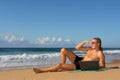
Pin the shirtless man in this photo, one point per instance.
(94, 52)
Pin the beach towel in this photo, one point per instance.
(102, 69)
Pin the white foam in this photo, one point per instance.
(27, 56)
(112, 51)
(22, 60)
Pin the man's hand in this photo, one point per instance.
(81, 47)
(87, 41)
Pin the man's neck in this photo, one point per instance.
(95, 50)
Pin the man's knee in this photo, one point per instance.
(60, 65)
(63, 50)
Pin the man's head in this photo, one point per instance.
(96, 43)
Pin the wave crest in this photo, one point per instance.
(112, 51)
(25, 56)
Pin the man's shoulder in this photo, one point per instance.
(100, 53)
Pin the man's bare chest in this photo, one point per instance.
(93, 56)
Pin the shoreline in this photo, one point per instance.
(114, 62)
(28, 74)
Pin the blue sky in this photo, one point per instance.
(58, 23)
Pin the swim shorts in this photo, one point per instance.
(76, 62)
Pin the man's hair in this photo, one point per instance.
(99, 41)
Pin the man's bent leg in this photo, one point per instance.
(67, 53)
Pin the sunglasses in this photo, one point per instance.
(94, 42)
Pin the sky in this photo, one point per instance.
(58, 23)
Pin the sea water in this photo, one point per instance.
(19, 58)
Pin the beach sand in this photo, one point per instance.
(28, 74)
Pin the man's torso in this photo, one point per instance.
(91, 56)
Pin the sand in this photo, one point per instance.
(28, 74)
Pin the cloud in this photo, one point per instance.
(43, 40)
(46, 40)
(53, 41)
(67, 40)
(59, 39)
(12, 40)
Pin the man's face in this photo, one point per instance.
(94, 44)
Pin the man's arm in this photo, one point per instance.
(102, 60)
(81, 47)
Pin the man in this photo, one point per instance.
(93, 52)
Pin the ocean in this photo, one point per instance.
(20, 58)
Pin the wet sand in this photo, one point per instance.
(28, 74)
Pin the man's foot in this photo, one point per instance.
(36, 70)
(59, 70)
